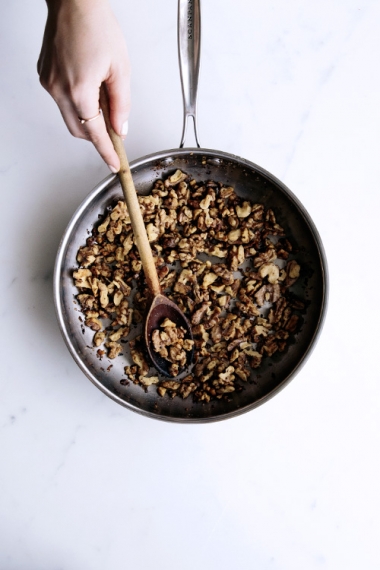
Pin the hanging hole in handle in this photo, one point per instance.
(185, 123)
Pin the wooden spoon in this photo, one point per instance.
(160, 307)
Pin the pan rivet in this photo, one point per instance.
(167, 161)
(217, 161)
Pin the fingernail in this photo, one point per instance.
(124, 129)
(112, 168)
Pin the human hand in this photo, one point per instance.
(83, 47)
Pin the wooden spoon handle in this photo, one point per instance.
(132, 202)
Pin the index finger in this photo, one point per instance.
(86, 108)
(95, 130)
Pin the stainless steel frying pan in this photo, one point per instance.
(252, 183)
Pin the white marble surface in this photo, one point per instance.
(294, 485)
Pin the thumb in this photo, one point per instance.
(119, 95)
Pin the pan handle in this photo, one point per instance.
(189, 51)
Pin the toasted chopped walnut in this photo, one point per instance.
(87, 301)
(267, 293)
(171, 384)
(265, 257)
(94, 324)
(139, 359)
(217, 250)
(149, 380)
(114, 349)
(177, 177)
(269, 270)
(244, 210)
(234, 235)
(256, 358)
(81, 278)
(188, 344)
(270, 346)
(103, 294)
(118, 297)
(292, 273)
(99, 338)
(292, 323)
(199, 313)
(102, 228)
(208, 279)
(153, 232)
(122, 332)
(87, 255)
(186, 389)
(224, 301)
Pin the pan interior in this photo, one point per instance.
(250, 182)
